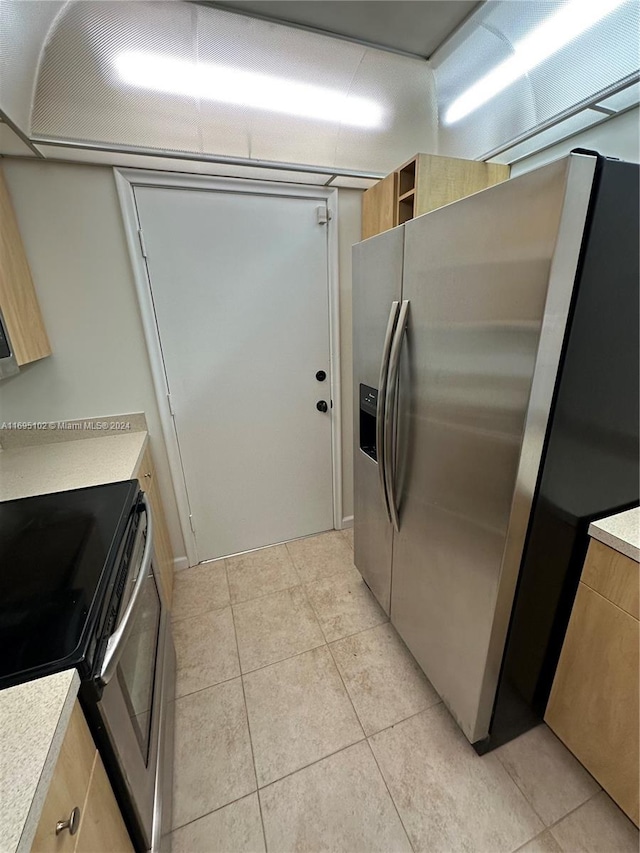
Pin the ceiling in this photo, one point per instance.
(411, 26)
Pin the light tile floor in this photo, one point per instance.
(304, 724)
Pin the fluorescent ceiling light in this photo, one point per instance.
(573, 19)
(225, 85)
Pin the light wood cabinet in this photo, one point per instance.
(103, 827)
(379, 207)
(428, 181)
(79, 780)
(424, 183)
(18, 301)
(163, 553)
(593, 706)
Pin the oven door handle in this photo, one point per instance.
(119, 637)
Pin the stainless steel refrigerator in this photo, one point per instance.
(467, 321)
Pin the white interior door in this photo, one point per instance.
(240, 290)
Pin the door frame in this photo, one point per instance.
(126, 180)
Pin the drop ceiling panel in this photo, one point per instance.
(603, 56)
(81, 94)
(23, 29)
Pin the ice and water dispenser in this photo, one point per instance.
(368, 409)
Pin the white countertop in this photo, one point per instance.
(621, 531)
(63, 465)
(33, 721)
(34, 716)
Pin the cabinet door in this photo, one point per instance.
(68, 787)
(102, 829)
(379, 207)
(18, 300)
(593, 707)
(146, 476)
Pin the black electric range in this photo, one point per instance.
(63, 557)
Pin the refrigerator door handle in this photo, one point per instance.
(381, 405)
(390, 412)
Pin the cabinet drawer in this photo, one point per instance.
(613, 575)
(69, 786)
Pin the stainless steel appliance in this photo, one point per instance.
(495, 395)
(78, 590)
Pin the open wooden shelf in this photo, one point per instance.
(406, 209)
(407, 177)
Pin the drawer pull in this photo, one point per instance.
(72, 823)
(148, 475)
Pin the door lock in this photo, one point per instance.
(321, 406)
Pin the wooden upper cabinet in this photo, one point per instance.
(424, 183)
(163, 553)
(441, 180)
(379, 207)
(18, 301)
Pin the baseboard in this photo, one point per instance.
(180, 563)
(347, 521)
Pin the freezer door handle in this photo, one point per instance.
(390, 413)
(380, 409)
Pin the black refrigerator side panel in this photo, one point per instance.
(590, 467)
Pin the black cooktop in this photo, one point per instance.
(59, 555)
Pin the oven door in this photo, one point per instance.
(135, 694)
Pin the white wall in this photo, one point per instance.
(616, 137)
(71, 224)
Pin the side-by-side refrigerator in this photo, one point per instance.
(496, 414)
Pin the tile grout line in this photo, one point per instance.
(346, 636)
(246, 712)
(555, 823)
(564, 817)
(531, 805)
(208, 687)
(343, 748)
(526, 798)
(282, 660)
(311, 763)
(242, 673)
(283, 589)
(175, 619)
(265, 594)
(384, 781)
(213, 811)
(316, 580)
(405, 719)
(317, 618)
